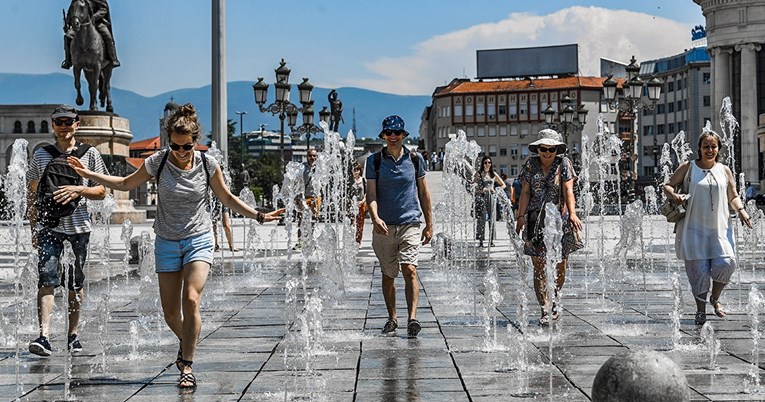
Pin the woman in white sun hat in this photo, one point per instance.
(547, 176)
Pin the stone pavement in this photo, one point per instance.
(263, 338)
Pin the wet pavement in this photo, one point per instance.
(263, 337)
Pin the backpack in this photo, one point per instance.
(57, 173)
(204, 165)
(413, 155)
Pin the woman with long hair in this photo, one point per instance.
(704, 238)
(485, 180)
(183, 247)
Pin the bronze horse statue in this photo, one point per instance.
(87, 53)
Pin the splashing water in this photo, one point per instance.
(492, 298)
(681, 147)
(711, 343)
(728, 129)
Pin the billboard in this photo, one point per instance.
(528, 61)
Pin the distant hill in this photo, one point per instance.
(144, 112)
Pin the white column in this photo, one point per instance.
(721, 82)
(749, 118)
(219, 95)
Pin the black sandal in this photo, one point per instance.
(179, 358)
(187, 378)
(413, 328)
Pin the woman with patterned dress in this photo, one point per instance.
(548, 176)
(485, 180)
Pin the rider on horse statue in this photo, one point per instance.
(102, 20)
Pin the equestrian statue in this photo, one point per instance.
(89, 46)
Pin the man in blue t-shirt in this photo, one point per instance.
(396, 192)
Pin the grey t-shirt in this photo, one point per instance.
(183, 207)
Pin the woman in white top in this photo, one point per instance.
(704, 238)
(183, 247)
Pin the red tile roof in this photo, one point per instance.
(149, 143)
(135, 162)
(530, 84)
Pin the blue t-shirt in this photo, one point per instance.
(397, 200)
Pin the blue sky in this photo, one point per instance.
(403, 47)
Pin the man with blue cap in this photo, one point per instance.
(396, 193)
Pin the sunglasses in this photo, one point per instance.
(393, 132)
(64, 122)
(186, 147)
(547, 150)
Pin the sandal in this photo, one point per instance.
(544, 320)
(179, 358)
(186, 378)
(555, 312)
(701, 318)
(413, 327)
(389, 326)
(718, 307)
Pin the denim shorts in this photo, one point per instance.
(172, 255)
(51, 248)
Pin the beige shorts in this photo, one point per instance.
(400, 246)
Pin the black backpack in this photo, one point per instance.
(57, 173)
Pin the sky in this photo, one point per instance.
(402, 47)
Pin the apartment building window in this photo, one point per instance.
(503, 130)
(670, 86)
(502, 110)
(660, 129)
(492, 131)
(513, 170)
(513, 129)
(492, 150)
(513, 111)
(457, 110)
(448, 110)
(706, 78)
(680, 126)
(671, 128)
(469, 132)
(679, 84)
(524, 130)
(479, 109)
(647, 130)
(524, 151)
(469, 110)
(707, 101)
(502, 169)
(648, 170)
(514, 151)
(534, 110)
(481, 130)
(502, 151)
(603, 106)
(671, 107)
(491, 110)
(523, 108)
(679, 105)
(660, 109)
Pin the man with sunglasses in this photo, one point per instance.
(396, 195)
(74, 228)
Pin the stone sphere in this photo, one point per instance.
(644, 376)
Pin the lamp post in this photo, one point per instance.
(282, 105)
(568, 118)
(241, 133)
(308, 127)
(629, 103)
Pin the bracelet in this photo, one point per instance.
(260, 217)
(740, 209)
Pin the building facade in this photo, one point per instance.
(504, 116)
(735, 35)
(685, 105)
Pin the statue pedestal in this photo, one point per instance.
(111, 135)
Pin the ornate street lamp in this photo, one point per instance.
(630, 102)
(569, 120)
(308, 127)
(282, 105)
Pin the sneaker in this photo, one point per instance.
(74, 344)
(40, 346)
(390, 326)
(413, 328)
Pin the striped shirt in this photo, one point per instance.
(79, 221)
(183, 206)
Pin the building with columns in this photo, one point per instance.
(735, 34)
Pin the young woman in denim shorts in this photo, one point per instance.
(183, 227)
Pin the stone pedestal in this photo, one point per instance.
(111, 135)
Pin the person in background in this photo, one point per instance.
(74, 228)
(547, 177)
(751, 192)
(485, 180)
(183, 248)
(704, 238)
(396, 193)
(359, 191)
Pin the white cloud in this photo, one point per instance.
(600, 32)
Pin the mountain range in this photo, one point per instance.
(144, 112)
